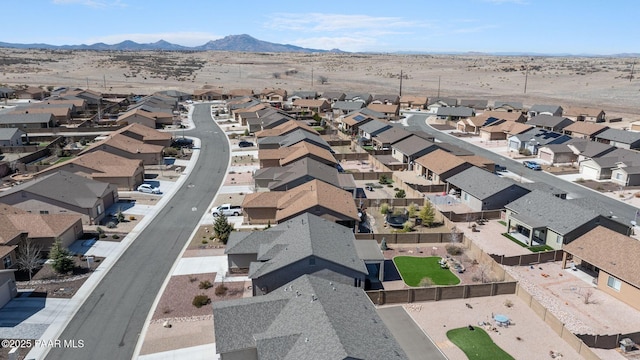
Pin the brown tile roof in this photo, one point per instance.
(286, 128)
(42, 226)
(477, 160)
(416, 100)
(147, 133)
(502, 115)
(6, 250)
(509, 127)
(147, 114)
(127, 144)
(103, 164)
(609, 251)
(383, 108)
(440, 161)
(10, 210)
(290, 154)
(310, 103)
(302, 197)
(56, 111)
(240, 92)
(582, 111)
(8, 231)
(586, 128)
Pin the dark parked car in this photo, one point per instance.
(182, 143)
(245, 143)
(500, 168)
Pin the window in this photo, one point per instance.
(618, 176)
(99, 209)
(614, 283)
(6, 261)
(44, 212)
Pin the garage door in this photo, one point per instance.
(546, 156)
(5, 294)
(589, 172)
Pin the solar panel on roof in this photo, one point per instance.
(359, 118)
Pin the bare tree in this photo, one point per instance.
(323, 79)
(484, 270)
(28, 256)
(587, 296)
(276, 75)
(455, 235)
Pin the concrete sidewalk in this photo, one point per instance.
(202, 352)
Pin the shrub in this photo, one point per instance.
(221, 290)
(201, 300)
(412, 210)
(119, 216)
(401, 194)
(246, 132)
(115, 236)
(205, 284)
(427, 214)
(61, 257)
(102, 235)
(453, 249)
(222, 228)
(99, 230)
(132, 218)
(384, 179)
(193, 279)
(384, 208)
(111, 225)
(408, 226)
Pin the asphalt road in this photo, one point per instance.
(624, 212)
(111, 319)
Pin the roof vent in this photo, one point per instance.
(313, 297)
(297, 293)
(306, 339)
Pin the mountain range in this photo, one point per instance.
(242, 42)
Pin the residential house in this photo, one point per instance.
(454, 113)
(613, 257)
(308, 95)
(557, 154)
(507, 106)
(478, 161)
(535, 138)
(437, 102)
(385, 139)
(626, 173)
(587, 149)
(60, 112)
(28, 121)
(481, 190)
(363, 98)
(439, 165)
(286, 155)
(208, 94)
(32, 93)
(501, 130)
(592, 115)
(11, 137)
(386, 99)
(102, 166)
(236, 93)
(476, 104)
(548, 122)
(292, 138)
(316, 106)
(332, 96)
(63, 193)
(307, 318)
(93, 98)
(619, 138)
(601, 168)
(473, 124)
(390, 111)
(153, 120)
(176, 94)
(550, 110)
(584, 130)
(408, 102)
(41, 229)
(285, 128)
(351, 122)
(314, 197)
(268, 118)
(345, 107)
(146, 134)
(546, 188)
(453, 149)
(130, 148)
(8, 289)
(371, 129)
(7, 93)
(300, 172)
(410, 148)
(275, 97)
(539, 218)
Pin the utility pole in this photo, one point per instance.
(311, 77)
(631, 75)
(104, 82)
(526, 77)
(438, 87)
(400, 82)
(87, 83)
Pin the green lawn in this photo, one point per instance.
(534, 248)
(477, 344)
(62, 159)
(414, 269)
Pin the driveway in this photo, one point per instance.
(415, 343)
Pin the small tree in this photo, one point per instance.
(384, 208)
(323, 79)
(119, 215)
(246, 132)
(384, 179)
(222, 228)
(412, 210)
(408, 226)
(455, 235)
(28, 256)
(427, 214)
(61, 257)
(401, 194)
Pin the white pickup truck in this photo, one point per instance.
(227, 210)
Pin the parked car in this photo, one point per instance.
(500, 168)
(182, 143)
(227, 210)
(532, 165)
(147, 188)
(245, 143)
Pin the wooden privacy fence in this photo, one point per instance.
(528, 259)
(392, 202)
(407, 238)
(437, 293)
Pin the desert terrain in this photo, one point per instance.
(602, 82)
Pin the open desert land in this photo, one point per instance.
(602, 82)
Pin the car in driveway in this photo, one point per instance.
(245, 143)
(532, 165)
(148, 189)
(182, 143)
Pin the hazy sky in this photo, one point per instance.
(542, 26)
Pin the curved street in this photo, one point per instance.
(624, 212)
(112, 317)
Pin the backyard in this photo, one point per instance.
(424, 271)
(476, 344)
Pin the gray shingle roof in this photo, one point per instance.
(621, 136)
(392, 135)
(556, 122)
(539, 209)
(590, 148)
(447, 100)
(459, 111)
(347, 105)
(341, 323)
(304, 236)
(295, 137)
(516, 105)
(479, 183)
(542, 136)
(9, 133)
(374, 126)
(40, 118)
(304, 167)
(413, 145)
(545, 108)
(474, 103)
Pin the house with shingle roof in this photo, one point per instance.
(300, 172)
(32, 93)
(99, 165)
(303, 244)
(176, 94)
(6, 93)
(535, 138)
(584, 130)
(413, 102)
(614, 257)
(11, 137)
(275, 97)
(626, 173)
(304, 94)
(438, 102)
(284, 156)
(600, 168)
(507, 106)
(332, 96)
(42, 229)
(550, 110)
(127, 147)
(481, 190)
(345, 107)
(438, 165)
(544, 219)
(557, 154)
(28, 121)
(587, 149)
(619, 138)
(308, 318)
(501, 130)
(548, 122)
(410, 148)
(286, 128)
(208, 94)
(292, 138)
(63, 192)
(61, 112)
(455, 113)
(317, 106)
(146, 134)
(591, 115)
(358, 97)
(371, 129)
(388, 137)
(390, 111)
(387, 99)
(151, 119)
(476, 104)
(351, 122)
(314, 197)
